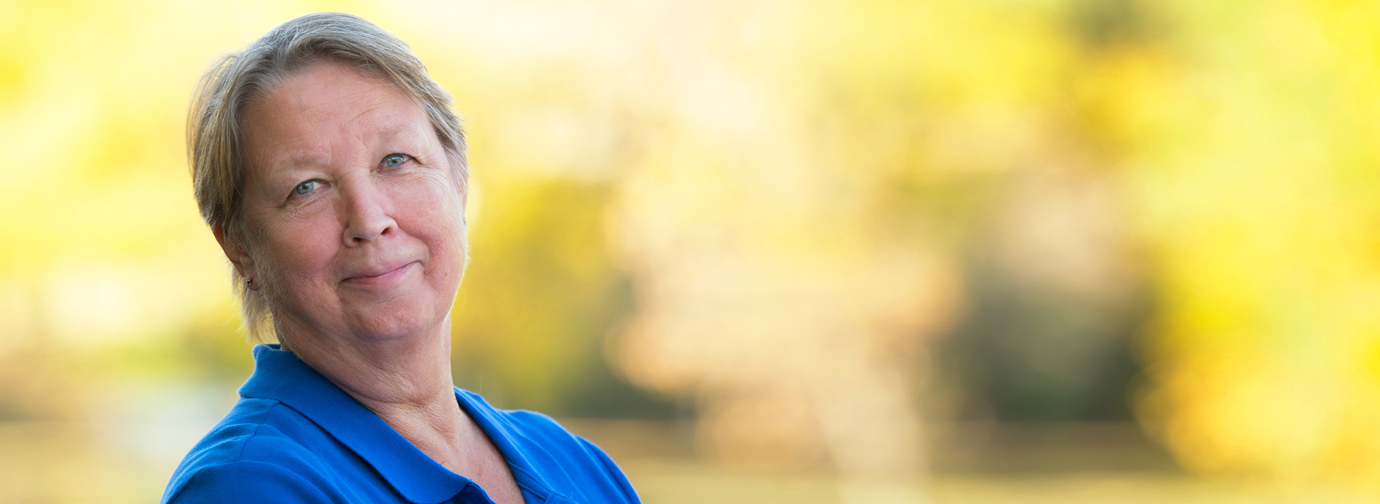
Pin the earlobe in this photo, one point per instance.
(236, 253)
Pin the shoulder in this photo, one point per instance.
(249, 444)
(564, 456)
(572, 464)
(225, 483)
(524, 425)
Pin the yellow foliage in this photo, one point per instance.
(786, 188)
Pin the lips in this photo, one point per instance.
(378, 275)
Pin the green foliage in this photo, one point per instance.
(539, 298)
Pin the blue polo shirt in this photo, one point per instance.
(294, 437)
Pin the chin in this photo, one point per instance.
(393, 323)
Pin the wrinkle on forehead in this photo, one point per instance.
(345, 107)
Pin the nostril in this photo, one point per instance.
(366, 228)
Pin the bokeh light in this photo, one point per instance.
(822, 251)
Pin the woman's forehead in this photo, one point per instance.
(328, 94)
(321, 108)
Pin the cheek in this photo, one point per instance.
(300, 252)
(440, 223)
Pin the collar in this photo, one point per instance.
(281, 376)
(506, 437)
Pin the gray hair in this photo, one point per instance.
(215, 140)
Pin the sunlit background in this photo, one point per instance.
(947, 251)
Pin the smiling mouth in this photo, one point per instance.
(369, 279)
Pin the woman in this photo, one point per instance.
(332, 172)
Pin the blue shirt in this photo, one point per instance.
(294, 437)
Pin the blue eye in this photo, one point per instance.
(306, 187)
(393, 160)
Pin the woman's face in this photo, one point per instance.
(354, 220)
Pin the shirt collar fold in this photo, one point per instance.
(506, 439)
(281, 376)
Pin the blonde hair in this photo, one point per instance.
(215, 141)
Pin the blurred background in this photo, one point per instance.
(769, 251)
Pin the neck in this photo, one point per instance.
(405, 381)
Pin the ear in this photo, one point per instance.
(236, 253)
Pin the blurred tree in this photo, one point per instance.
(1057, 291)
(772, 202)
(538, 300)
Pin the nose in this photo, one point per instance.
(367, 212)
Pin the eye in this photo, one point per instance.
(306, 187)
(394, 160)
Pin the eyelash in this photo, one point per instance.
(404, 158)
(298, 190)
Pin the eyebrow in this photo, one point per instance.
(391, 133)
(302, 161)
(401, 129)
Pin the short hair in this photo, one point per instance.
(215, 139)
